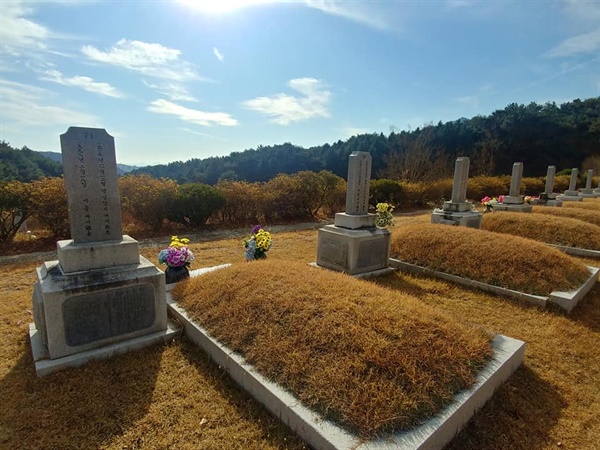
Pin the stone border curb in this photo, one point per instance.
(565, 300)
(321, 434)
(587, 253)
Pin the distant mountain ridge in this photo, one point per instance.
(121, 168)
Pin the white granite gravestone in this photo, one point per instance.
(588, 192)
(101, 297)
(597, 190)
(571, 194)
(514, 201)
(458, 211)
(353, 244)
(548, 197)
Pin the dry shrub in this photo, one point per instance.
(587, 205)
(589, 216)
(545, 228)
(479, 187)
(243, 202)
(532, 186)
(439, 190)
(413, 195)
(372, 359)
(561, 183)
(508, 261)
(49, 199)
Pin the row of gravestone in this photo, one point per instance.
(102, 297)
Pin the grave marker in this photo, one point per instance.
(588, 192)
(101, 297)
(458, 211)
(572, 194)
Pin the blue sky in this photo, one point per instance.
(174, 80)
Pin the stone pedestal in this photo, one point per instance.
(513, 200)
(97, 255)
(80, 311)
(353, 251)
(471, 219)
(570, 196)
(354, 221)
(524, 207)
(587, 193)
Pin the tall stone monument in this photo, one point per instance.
(571, 194)
(548, 197)
(514, 201)
(597, 190)
(353, 244)
(458, 211)
(101, 296)
(588, 192)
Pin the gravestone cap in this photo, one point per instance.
(90, 169)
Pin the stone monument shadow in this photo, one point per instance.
(273, 430)
(525, 402)
(587, 312)
(399, 281)
(88, 405)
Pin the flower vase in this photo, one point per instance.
(175, 274)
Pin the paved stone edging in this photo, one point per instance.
(321, 434)
(565, 300)
(585, 252)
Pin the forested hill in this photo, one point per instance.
(537, 135)
(25, 164)
(28, 165)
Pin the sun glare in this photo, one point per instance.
(221, 6)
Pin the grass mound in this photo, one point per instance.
(585, 215)
(507, 261)
(587, 205)
(545, 228)
(371, 359)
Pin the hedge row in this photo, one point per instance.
(151, 203)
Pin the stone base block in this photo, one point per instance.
(471, 219)
(550, 203)
(457, 207)
(512, 208)
(85, 310)
(45, 366)
(353, 251)
(97, 255)
(570, 193)
(354, 222)
(513, 200)
(570, 198)
(588, 193)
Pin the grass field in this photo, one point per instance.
(172, 397)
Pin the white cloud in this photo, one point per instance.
(85, 83)
(192, 115)
(361, 12)
(353, 131)
(174, 91)
(287, 109)
(153, 60)
(582, 43)
(17, 31)
(218, 54)
(21, 105)
(469, 100)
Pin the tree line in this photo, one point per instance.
(538, 135)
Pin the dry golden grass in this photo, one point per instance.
(545, 228)
(506, 261)
(158, 398)
(587, 204)
(585, 215)
(369, 359)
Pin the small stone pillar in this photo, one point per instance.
(588, 192)
(597, 190)
(571, 194)
(458, 211)
(514, 201)
(548, 197)
(353, 244)
(101, 297)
